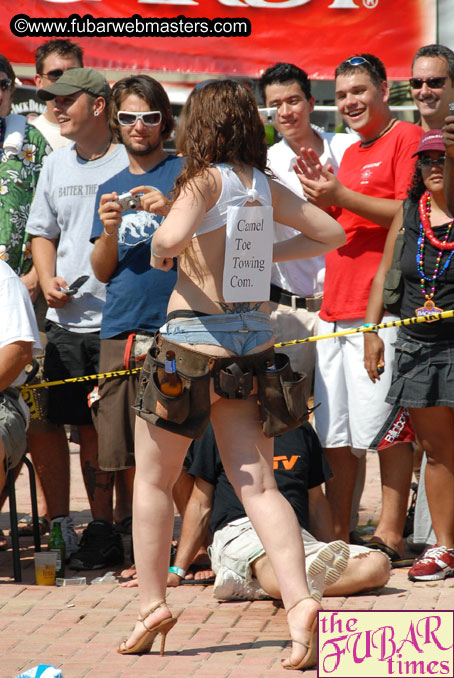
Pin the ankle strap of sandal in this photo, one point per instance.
(300, 600)
(153, 608)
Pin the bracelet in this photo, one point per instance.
(178, 571)
(371, 327)
(107, 232)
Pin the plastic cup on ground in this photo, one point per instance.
(45, 567)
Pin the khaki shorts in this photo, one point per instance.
(236, 546)
(12, 428)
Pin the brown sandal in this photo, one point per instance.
(144, 644)
(310, 658)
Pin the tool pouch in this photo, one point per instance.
(281, 396)
(232, 382)
(187, 414)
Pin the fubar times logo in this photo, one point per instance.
(385, 644)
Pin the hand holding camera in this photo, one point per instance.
(129, 201)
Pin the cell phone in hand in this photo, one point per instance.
(75, 286)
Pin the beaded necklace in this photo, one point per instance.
(424, 213)
(425, 229)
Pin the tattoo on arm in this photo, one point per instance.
(239, 307)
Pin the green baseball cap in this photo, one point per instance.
(77, 80)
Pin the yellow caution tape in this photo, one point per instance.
(371, 328)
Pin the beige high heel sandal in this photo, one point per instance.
(145, 642)
(310, 658)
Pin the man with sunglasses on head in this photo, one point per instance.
(137, 295)
(432, 84)
(52, 59)
(60, 224)
(372, 181)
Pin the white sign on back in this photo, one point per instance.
(248, 253)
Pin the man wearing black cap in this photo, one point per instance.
(60, 223)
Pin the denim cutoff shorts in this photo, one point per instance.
(236, 332)
(423, 373)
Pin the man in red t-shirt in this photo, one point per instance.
(373, 179)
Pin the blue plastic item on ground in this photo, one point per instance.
(42, 671)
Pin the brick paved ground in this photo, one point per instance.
(78, 628)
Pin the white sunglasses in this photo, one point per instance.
(149, 118)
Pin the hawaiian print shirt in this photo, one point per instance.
(18, 179)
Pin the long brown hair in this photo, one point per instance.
(221, 124)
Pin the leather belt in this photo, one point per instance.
(280, 296)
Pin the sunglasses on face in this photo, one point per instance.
(426, 162)
(432, 83)
(53, 75)
(149, 118)
(5, 84)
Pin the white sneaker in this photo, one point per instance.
(326, 566)
(230, 586)
(69, 534)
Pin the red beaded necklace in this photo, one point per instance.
(424, 213)
(429, 309)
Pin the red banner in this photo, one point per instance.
(237, 37)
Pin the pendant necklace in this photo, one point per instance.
(425, 230)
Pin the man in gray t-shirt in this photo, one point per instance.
(60, 222)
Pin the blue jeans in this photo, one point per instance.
(237, 332)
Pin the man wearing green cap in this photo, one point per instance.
(60, 222)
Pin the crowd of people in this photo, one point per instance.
(198, 263)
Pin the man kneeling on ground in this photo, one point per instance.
(238, 558)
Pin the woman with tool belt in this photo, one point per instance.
(423, 375)
(221, 229)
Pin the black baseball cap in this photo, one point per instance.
(77, 80)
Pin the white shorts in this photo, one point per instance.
(298, 323)
(236, 546)
(352, 409)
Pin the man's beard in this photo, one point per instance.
(144, 151)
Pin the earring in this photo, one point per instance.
(96, 113)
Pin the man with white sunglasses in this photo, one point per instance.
(132, 205)
(60, 222)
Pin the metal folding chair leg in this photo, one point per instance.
(10, 481)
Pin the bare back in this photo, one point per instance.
(200, 272)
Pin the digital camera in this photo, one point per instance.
(268, 115)
(128, 201)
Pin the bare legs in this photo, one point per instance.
(159, 457)
(435, 429)
(363, 573)
(247, 457)
(49, 452)
(396, 467)
(99, 484)
(339, 489)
